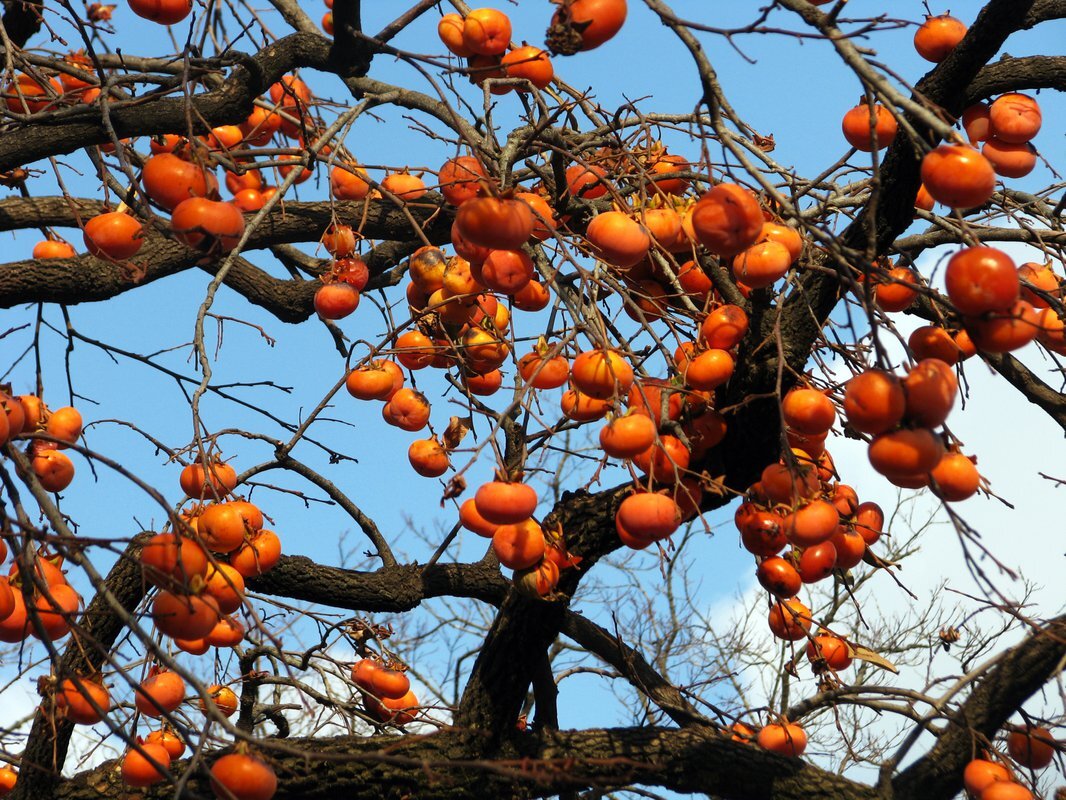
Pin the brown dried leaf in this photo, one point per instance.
(869, 656)
(457, 429)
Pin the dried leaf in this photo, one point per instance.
(456, 486)
(457, 429)
(868, 655)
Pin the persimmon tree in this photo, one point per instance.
(604, 330)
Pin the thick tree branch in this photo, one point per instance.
(453, 764)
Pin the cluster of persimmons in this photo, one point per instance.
(799, 521)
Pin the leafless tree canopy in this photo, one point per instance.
(492, 652)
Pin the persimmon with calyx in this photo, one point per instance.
(861, 133)
(779, 577)
(784, 738)
(471, 519)
(1004, 331)
(145, 767)
(450, 31)
(170, 740)
(460, 179)
(223, 526)
(1014, 118)
(54, 470)
(617, 239)
(185, 616)
(625, 437)
(486, 32)
(980, 279)
(665, 460)
(1010, 160)
(530, 63)
(407, 409)
(905, 452)
(585, 25)
(958, 176)
(393, 712)
(601, 373)
(336, 300)
(724, 327)
(519, 545)
(544, 371)
(938, 36)
(505, 503)
(897, 289)
(56, 614)
(259, 553)
(499, 223)
(874, 401)
(172, 557)
(789, 620)
(64, 424)
(208, 225)
(404, 185)
(113, 236)
(170, 180)
(428, 458)
(762, 264)
(930, 388)
(709, 370)
(830, 650)
(226, 585)
(812, 523)
(579, 407)
(930, 341)
(381, 681)
(76, 698)
(160, 693)
(727, 219)
(649, 515)
(586, 181)
(222, 698)
(955, 477)
(216, 480)
(808, 411)
(348, 182)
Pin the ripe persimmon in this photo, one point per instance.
(113, 236)
(499, 223)
(407, 409)
(874, 401)
(762, 264)
(1014, 118)
(83, 700)
(54, 470)
(958, 176)
(930, 388)
(601, 373)
(147, 768)
(579, 407)
(531, 63)
(861, 132)
(779, 577)
(169, 556)
(259, 553)
(808, 411)
(486, 32)
(428, 458)
(649, 515)
(789, 620)
(618, 239)
(450, 31)
(505, 503)
(727, 219)
(221, 697)
(519, 545)
(544, 371)
(937, 37)
(585, 25)
(53, 248)
(626, 436)
(185, 616)
(160, 693)
(240, 776)
(724, 327)
(1033, 748)
(906, 452)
